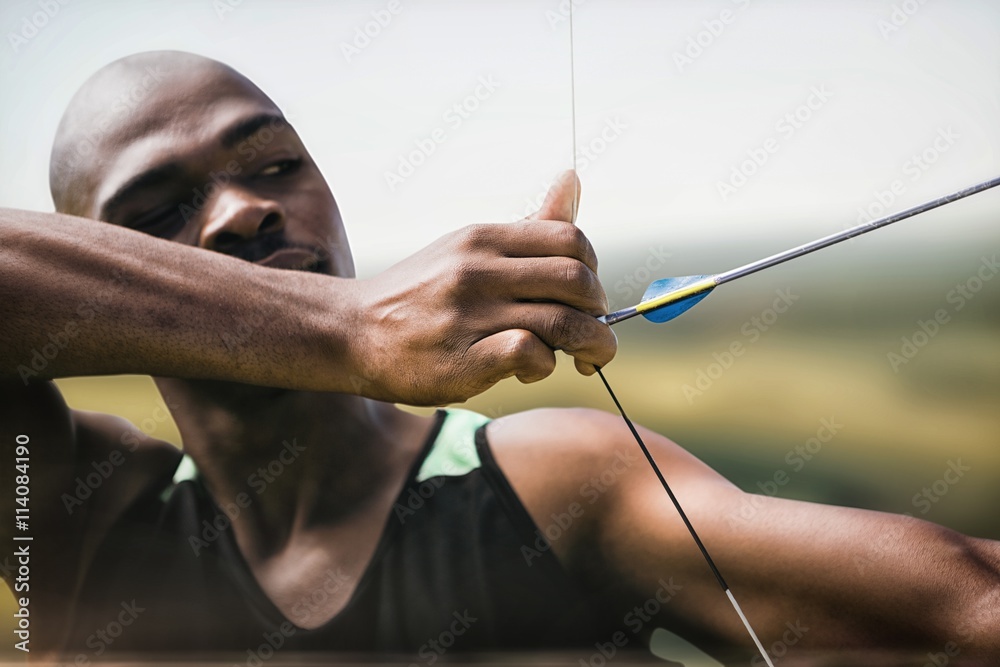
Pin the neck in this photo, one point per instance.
(291, 461)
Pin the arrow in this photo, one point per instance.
(667, 298)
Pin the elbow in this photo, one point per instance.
(973, 625)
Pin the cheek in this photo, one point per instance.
(312, 217)
(190, 234)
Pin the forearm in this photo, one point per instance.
(86, 298)
(874, 580)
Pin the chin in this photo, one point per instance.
(235, 392)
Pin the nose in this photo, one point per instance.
(237, 215)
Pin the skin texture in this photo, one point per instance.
(482, 304)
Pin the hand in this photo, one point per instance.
(482, 304)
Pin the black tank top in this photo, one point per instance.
(457, 568)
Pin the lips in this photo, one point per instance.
(292, 258)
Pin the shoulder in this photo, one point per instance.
(91, 471)
(583, 468)
(581, 445)
(84, 465)
(116, 462)
(568, 468)
(574, 442)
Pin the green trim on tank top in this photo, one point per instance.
(454, 451)
(186, 471)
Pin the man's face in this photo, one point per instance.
(207, 160)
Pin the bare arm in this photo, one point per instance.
(84, 298)
(481, 304)
(833, 577)
(808, 576)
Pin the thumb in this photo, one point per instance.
(562, 200)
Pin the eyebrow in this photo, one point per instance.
(247, 127)
(234, 134)
(148, 179)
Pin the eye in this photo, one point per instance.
(281, 167)
(163, 221)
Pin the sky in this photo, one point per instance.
(741, 123)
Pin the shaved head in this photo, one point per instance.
(185, 148)
(125, 100)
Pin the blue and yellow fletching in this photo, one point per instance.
(667, 298)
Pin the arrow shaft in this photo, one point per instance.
(753, 267)
(850, 233)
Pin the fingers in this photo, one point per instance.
(534, 238)
(562, 200)
(515, 352)
(564, 328)
(542, 280)
(554, 279)
(528, 350)
(583, 368)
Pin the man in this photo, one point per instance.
(310, 514)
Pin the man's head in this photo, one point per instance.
(185, 148)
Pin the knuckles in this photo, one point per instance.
(477, 237)
(579, 278)
(466, 275)
(531, 360)
(566, 330)
(570, 237)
